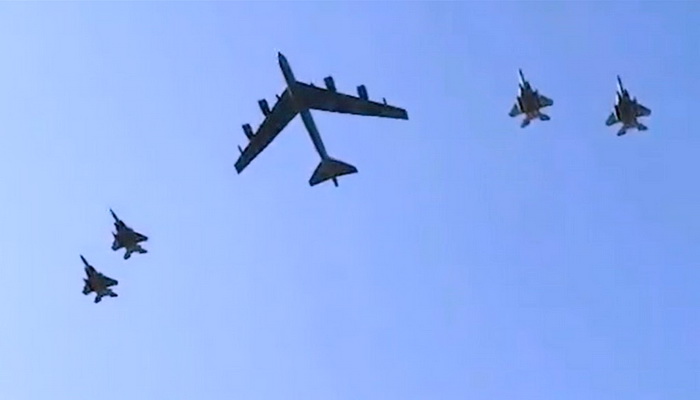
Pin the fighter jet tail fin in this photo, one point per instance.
(330, 169)
(641, 127)
(544, 117)
(622, 131)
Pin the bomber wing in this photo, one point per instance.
(329, 100)
(278, 118)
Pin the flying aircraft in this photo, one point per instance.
(530, 103)
(627, 111)
(300, 98)
(127, 238)
(97, 282)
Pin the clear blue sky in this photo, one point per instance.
(468, 258)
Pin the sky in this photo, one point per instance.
(468, 258)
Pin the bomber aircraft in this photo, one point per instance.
(627, 111)
(127, 238)
(529, 102)
(300, 98)
(97, 282)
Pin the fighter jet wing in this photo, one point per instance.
(325, 100)
(515, 111)
(109, 281)
(140, 237)
(545, 101)
(278, 118)
(612, 120)
(642, 111)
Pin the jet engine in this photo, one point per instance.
(248, 131)
(330, 83)
(362, 92)
(264, 107)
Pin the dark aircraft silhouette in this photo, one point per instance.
(300, 98)
(530, 103)
(97, 282)
(127, 238)
(627, 111)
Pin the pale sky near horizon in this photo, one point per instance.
(468, 258)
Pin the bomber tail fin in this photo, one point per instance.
(330, 168)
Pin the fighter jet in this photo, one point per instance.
(127, 238)
(97, 282)
(530, 103)
(300, 98)
(627, 111)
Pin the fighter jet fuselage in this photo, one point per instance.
(626, 108)
(528, 102)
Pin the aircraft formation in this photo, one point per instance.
(300, 98)
(626, 111)
(124, 238)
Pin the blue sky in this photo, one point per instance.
(468, 258)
